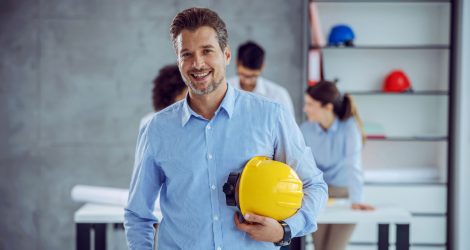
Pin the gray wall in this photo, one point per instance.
(74, 82)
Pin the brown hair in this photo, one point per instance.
(343, 105)
(167, 86)
(194, 18)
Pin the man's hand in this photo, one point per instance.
(260, 228)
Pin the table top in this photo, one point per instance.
(99, 213)
(336, 212)
(339, 212)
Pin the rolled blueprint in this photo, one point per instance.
(101, 195)
(104, 195)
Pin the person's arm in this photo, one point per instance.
(145, 184)
(353, 165)
(291, 149)
(352, 162)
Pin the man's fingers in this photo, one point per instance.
(236, 219)
(259, 228)
(255, 218)
(240, 225)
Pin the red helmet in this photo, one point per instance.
(396, 81)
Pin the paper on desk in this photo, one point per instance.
(103, 195)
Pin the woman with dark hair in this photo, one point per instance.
(333, 131)
(168, 88)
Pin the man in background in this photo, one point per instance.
(250, 64)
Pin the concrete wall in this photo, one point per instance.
(75, 79)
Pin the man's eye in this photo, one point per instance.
(184, 55)
(207, 51)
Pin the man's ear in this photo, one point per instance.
(228, 55)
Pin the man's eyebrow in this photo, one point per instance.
(207, 46)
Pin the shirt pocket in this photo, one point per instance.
(237, 152)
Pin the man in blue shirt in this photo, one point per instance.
(188, 150)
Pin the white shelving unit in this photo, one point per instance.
(408, 166)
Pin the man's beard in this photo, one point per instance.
(211, 88)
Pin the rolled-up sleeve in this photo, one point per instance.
(145, 185)
(290, 148)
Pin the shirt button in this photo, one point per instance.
(208, 127)
(209, 156)
(216, 217)
(213, 187)
(219, 248)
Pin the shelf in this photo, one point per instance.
(406, 153)
(407, 175)
(381, 1)
(401, 184)
(408, 138)
(378, 92)
(385, 47)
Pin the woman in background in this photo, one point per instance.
(168, 88)
(333, 131)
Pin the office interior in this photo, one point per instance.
(75, 80)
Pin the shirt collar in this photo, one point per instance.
(332, 129)
(187, 111)
(260, 87)
(227, 105)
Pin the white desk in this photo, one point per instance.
(97, 213)
(95, 217)
(339, 212)
(342, 214)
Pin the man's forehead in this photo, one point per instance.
(207, 30)
(202, 37)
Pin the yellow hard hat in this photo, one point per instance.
(265, 187)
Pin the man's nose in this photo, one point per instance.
(198, 61)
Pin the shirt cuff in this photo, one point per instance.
(355, 196)
(296, 223)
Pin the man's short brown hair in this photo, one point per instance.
(194, 18)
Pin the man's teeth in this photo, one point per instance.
(201, 75)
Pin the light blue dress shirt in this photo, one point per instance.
(337, 152)
(189, 158)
